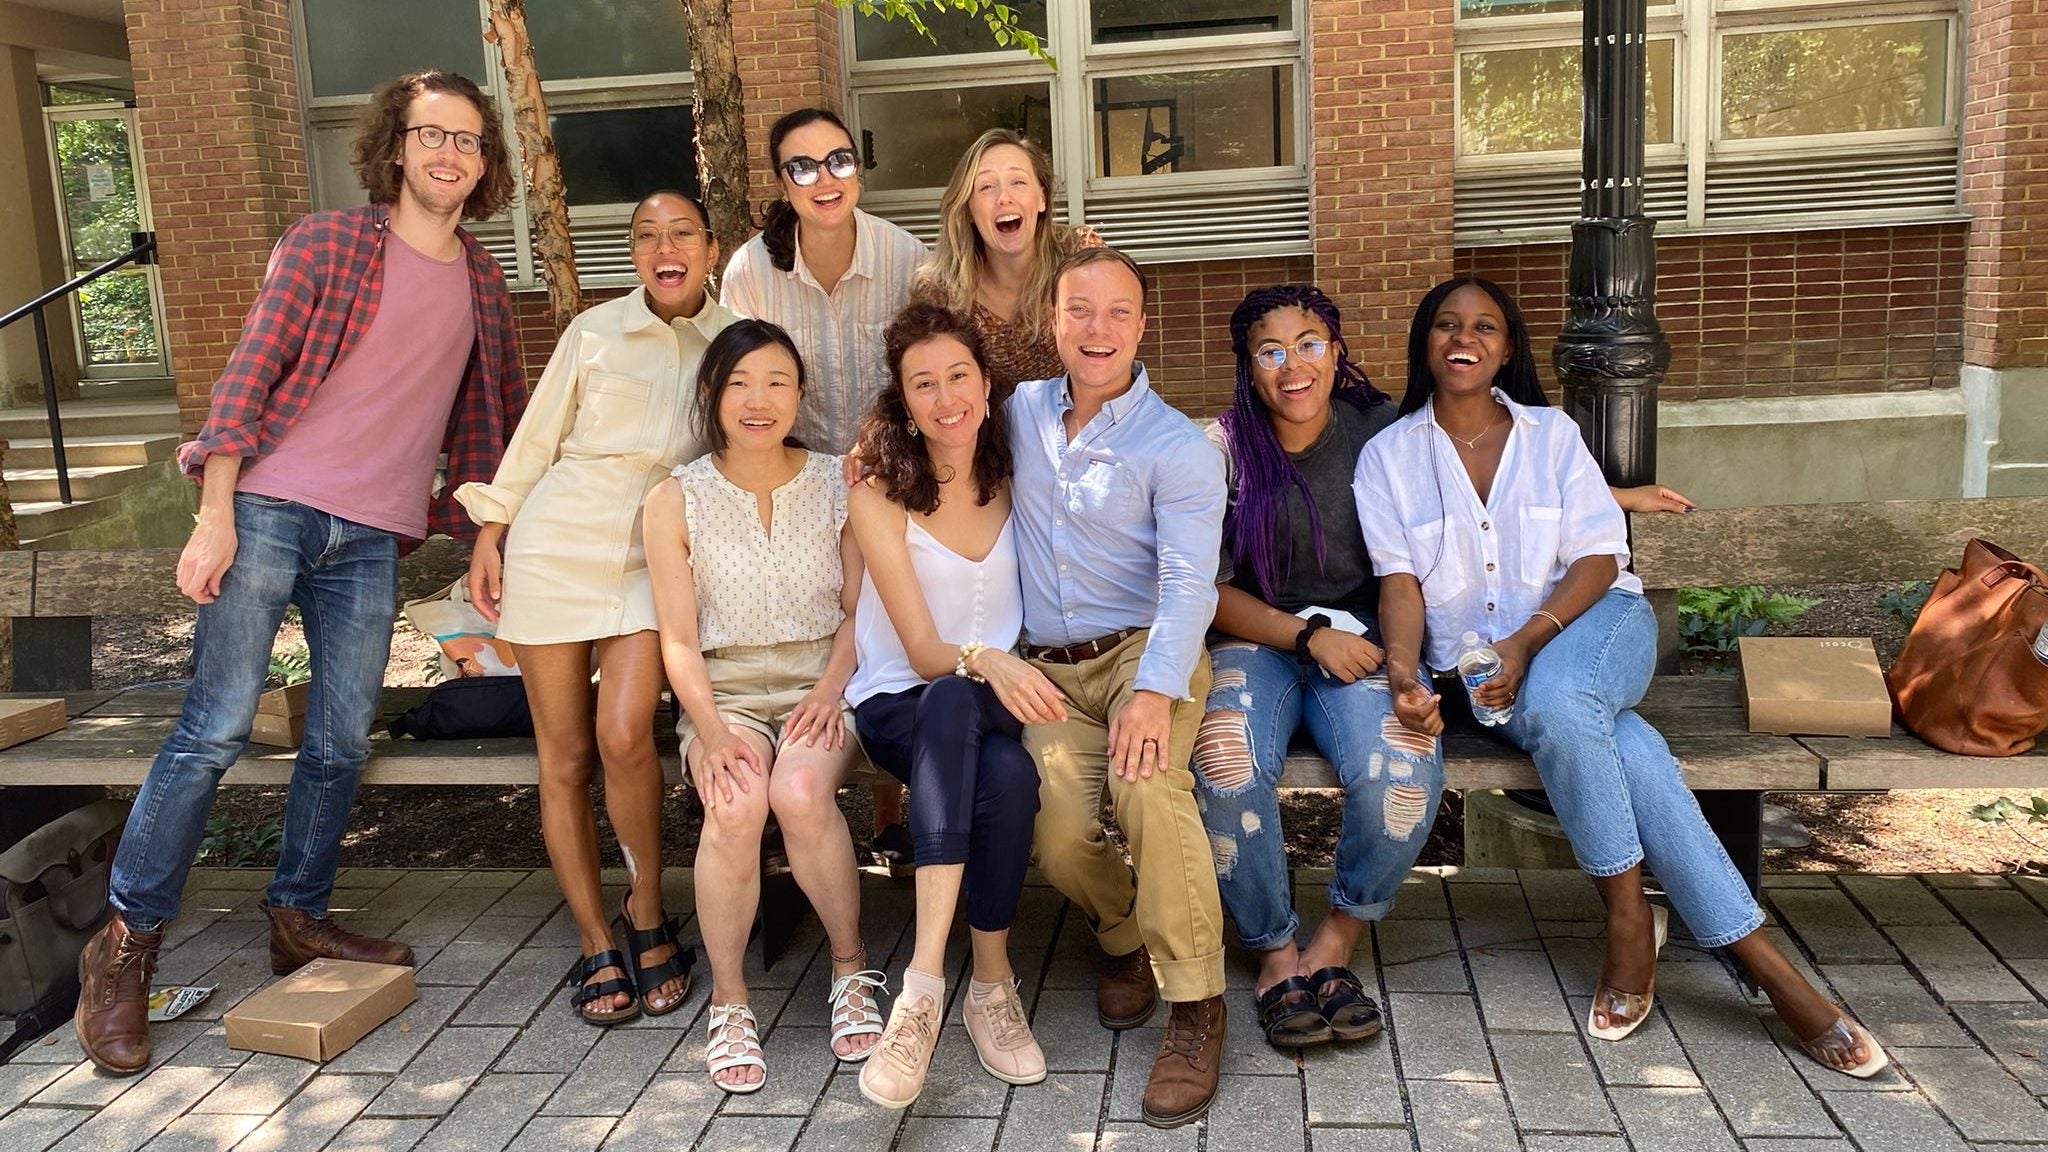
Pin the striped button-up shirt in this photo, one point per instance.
(839, 332)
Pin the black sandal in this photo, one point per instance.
(1352, 1015)
(1289, 1022)
(639, 942)
(579, 976)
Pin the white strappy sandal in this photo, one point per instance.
(723, 1050)
(856, 1009)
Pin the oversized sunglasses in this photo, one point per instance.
(802, 171)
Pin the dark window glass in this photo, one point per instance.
(618, 155)
(574, 39)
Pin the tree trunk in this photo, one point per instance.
(547, 203)
(721, 122)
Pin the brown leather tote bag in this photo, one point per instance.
(1967, 680)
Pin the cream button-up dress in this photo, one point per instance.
(615, 410)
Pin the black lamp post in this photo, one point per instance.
(1611, 355)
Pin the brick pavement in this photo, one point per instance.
(1486, 976)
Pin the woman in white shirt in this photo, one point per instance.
(754, 583)
(613, 412)
(939, 700)
(1484, 512)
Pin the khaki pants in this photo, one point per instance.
(1169, 903)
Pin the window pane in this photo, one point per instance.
(913, 139)
(619, 155)
(1480, 9)
(877, 39)
(1194, 121)
(1815, 81)
(334, 179)
(573, 39)
(1529, 99)
(354, 48)
(1122, 21)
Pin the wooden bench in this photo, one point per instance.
(112, 738)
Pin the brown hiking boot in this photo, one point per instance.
(297, 937)
(1124, 992)
(113, 1000)
(1190, 1057)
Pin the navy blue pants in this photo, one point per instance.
(973, 787)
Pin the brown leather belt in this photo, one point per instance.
(1077, 653)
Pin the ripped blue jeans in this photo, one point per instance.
(1392, 780)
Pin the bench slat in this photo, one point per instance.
(1865, 543)
(68, 582)
(1853, 765)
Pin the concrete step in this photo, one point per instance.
(91, 451)
(36, 519)
(94, 418)
(35, 485)
(134, 388)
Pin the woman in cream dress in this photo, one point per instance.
(613, 413)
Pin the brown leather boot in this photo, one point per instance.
(1124, 992)
(1190, 1057)
(113, 1002)
(296, 938)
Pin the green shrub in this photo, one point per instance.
(1711, 620)
(1905, 601)
(228, 844)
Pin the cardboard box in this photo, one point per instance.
(24, 720)
(1814, 686)
(280, 717)
(289, 700)
(317, 1012)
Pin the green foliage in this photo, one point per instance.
(228, 844)
(1711, 620)
(1005, 25)
(2032, 810)
(1905, 601)
(290, 662)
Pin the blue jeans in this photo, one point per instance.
(1610, 777)
(344, 578)
(1392, 780)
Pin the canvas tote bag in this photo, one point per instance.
(1967, 680)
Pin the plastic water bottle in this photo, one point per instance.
(1478, 663)
(2041, 645)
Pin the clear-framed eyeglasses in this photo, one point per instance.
(803, 171)
(1311, 349)
(649, 238)
(432, 136)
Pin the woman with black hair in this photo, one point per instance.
(754, 583)
(1297, 607)
(1486, 514)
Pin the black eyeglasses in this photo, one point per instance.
(467, 143)
(802, 171)
(1311, 349)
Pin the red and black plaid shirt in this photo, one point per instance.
(319, 296)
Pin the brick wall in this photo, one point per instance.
(1382, 117)
(789, 58)
(1778, 314)
(2005, 167)
(217, 96)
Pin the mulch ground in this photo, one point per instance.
(470, 826)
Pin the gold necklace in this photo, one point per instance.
(1473, 443)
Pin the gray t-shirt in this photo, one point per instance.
(1344, 579)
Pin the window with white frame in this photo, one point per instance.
(618, 84)
(1761, 114)
(1179, 128)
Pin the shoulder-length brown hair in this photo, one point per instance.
(381, 131)
(898, 459)
(958, 258)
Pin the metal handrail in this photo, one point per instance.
(142, 252)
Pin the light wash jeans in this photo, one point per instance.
(1392, 781)
(1611, 778)
(344, 578)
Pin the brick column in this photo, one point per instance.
(217, 94)
(1383, 124)
(2005, 279)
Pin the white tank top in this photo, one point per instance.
(968, 600)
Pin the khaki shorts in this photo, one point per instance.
(757, 688)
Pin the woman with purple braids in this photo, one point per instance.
(1298, 646)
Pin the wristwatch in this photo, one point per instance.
(1301, 638)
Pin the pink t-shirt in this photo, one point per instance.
(366, 447)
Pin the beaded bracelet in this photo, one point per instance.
(967, 652)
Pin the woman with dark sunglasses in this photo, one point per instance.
(829, 274)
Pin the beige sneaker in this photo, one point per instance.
(894, 1073)
(1002, 1037)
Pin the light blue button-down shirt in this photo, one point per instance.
(1120, 528)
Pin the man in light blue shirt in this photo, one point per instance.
(1117, 502)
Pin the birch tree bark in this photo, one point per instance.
(721, 121)
(547, 202)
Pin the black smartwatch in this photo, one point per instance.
(1301, 638)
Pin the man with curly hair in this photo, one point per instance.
(382, 337)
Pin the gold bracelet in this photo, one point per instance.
(1552, 619)
(967, 652)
